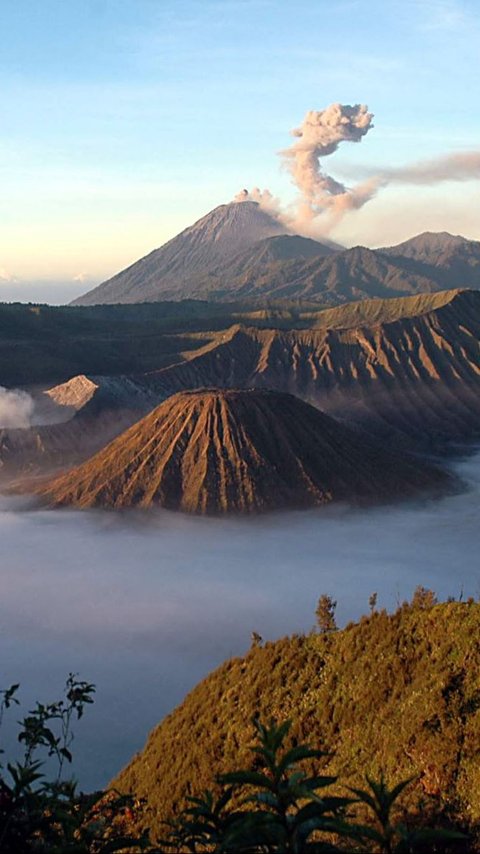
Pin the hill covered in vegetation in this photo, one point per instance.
(394, 693)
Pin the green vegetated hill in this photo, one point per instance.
(398, 693)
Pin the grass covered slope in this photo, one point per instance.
(241, 451)
(398, 693)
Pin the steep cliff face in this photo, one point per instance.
(240, 451)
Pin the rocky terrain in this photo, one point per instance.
(406, 370)
(240, 451)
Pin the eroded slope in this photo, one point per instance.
(240, 451)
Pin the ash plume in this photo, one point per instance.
(16, 408)
(323, 199)
(451, 167)
(319, 135)
(265, 199)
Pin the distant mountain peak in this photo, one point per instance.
(429, 244)
(168, 272)
(241, 250)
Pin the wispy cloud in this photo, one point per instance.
(5, 276)
(452, 16)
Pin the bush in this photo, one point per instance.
(41, 815)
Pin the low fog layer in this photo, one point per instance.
(145, 606)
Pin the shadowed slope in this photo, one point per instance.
(408, 365)
(240, 451)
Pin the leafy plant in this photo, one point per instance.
(38, 814)
(325, 614)
(387, 834)
(276, 807)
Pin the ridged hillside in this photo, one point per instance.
(351, 274)
(404, 368)
(425, 264)
(240, 451)
(397, 693)
(407, 366)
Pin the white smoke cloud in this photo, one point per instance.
(16, 408)
(5, 276)
(323, 199)
(267, 201)
(319, 135)
(263, 197)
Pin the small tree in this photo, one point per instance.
(256, 639)
(325, 614)
(423, 597)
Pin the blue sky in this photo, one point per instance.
(122, 121)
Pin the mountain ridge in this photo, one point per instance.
(407, 370)
(233, 253)
(415, 375)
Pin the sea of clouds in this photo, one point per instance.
(145, 605)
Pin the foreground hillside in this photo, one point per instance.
(399, 693)
(241, 451)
